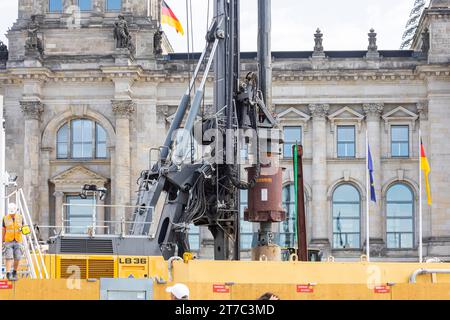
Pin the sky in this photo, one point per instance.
(344, 23)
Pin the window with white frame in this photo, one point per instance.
(346, 146)
(400, 141)
(79, 214)
(400, 217)
(81, 139)
(292, 136)
(346, 217)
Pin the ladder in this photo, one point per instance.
(33, 266)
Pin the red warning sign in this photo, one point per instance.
(382, 289)
(4, 284)
(220, 288)
(305, 288)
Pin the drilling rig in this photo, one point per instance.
(197, 178)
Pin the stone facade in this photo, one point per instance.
(82, 75)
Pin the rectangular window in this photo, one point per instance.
(400, 141)
(400, 231)
(55, 5)
(113, 5)
(85, 5)
(82, 139)
(79, 214)
(292, 135)
(346, 141)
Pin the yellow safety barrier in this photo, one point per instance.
(236, 280)
(53, 289)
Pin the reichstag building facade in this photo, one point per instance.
(84, 108)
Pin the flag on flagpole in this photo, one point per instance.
(373, 196)
(425, 166)
(168, 17)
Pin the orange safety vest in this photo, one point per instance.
(13, 228)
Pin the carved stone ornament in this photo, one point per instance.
(425, 42)
(122, 35)
(157, 43)
(422, 109)
(372, 41)
(162, 112)
(319, 110)
(32, 110)
(373, 110)
(123, 108)
(3, 51)
(318, 39)
(33, 43)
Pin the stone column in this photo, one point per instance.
(123, 110)
(32, 111)
(320, 211)
(438, 153)
(373, 116)
(59, 200)
(44, 191)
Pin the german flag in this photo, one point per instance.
(425, 166)
(168, 17)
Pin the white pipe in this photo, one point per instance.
(367, 199)
(170, 262)
(420, 203)
(418, 272)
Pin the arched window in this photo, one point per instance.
(346, 217)
(81, 139)
(400, 217)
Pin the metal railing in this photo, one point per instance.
(433, 272)
(91, 225)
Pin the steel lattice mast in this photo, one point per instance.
(412, 24)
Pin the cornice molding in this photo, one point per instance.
(138, 74)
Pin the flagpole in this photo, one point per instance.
(420, 201)
(367, 199)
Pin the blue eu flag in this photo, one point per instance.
(373, 196)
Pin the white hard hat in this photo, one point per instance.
(180, 291)
(12, 207)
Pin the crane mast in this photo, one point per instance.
(205, 190)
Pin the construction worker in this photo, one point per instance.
(12, 241)
(178, 292)
(269, 296)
